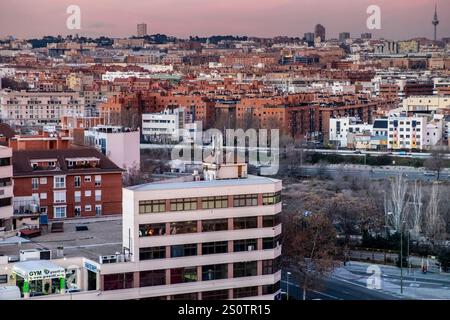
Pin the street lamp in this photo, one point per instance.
(287, 291)
(401, 256)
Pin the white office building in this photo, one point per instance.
(340, 128)
(164, 126)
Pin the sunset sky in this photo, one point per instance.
(400, 19)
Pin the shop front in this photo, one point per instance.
(39, 277)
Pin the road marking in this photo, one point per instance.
(327, 295)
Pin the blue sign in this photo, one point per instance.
(90, 267)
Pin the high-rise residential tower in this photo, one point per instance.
(142, 29)
(319, 31)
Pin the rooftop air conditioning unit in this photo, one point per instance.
(108, 259)
(35, 254)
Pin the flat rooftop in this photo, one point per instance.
(103, 237)
(175, 184)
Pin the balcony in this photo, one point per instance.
(25, 206)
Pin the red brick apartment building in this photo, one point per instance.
(69, 183)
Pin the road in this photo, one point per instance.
(399, 154)
(371, 172)
(335, 289)
(350, 283)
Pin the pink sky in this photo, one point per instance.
(400, 19)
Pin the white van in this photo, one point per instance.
(9, 293)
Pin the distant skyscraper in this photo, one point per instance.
(309, 37)
(366, 36)
(142, 29)
(344, 36)
(435, 22)
(319, 31)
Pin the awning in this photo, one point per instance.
(38, 270)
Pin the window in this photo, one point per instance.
(181, 275)
(245, 223)
(43, 196)
(215, 202)
(214, 247)
(5, 162)
(215, 295)
(59, 212)
(152, 278)
(214, 272)
(271, 266)
(98, 195)
(87, 178)
(183, 204)
(59, 182)
(118, 281)
(271, 198)
(59, 196)
(43, 180)
(183, 227)
(152, 253)
(152, 206)
(87, 193)
(271, 221)
(185, 296)
(98, 209)
(271, 288)
(270, 243)
(77, 181)
(98, 180)
(245, 292)
(149, 230)
(3, 278)
(245, 200)
(88, 208)
(77, 196)
(5, 202)
(34, 183)
(245, 269)
(5, 182)
(214, 225)
(183, 250)
(244, 245)
(77, 211)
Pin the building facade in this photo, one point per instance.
(39, 108)
(199, 240)
(121, 145)
(6, 188)
(68, 183)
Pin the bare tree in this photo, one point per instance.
(310, 246)
(417, 204)
(436, 162)
(398, 202)
(433, 226)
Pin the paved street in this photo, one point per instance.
(372, 172)
(335, 289)
(351, 283)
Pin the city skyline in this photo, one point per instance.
(399, 20)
